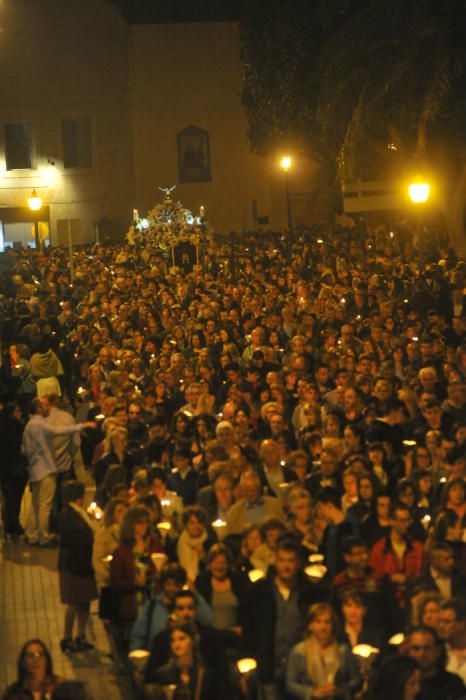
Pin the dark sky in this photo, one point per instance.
(159, 11)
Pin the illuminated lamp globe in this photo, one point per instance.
(419, 192)
(34, 201)
(285, 163)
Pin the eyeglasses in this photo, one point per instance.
(34, 654)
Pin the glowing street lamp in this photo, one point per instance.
(419, 191)
(285, 164)
(34, 201)
(35, 204)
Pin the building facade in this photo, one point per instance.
(96, 114)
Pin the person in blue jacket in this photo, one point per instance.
(320, 666)
(154, 616)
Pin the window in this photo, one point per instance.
(77, 147)
(18, 146)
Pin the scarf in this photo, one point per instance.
(322, 664)
(45, 364)
(187, 553)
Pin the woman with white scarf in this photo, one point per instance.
(321, 667)
(106, 540)
(194, 541)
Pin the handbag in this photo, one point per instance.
(109, 603)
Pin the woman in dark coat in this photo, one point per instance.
(186, 671)
(77, 583)
(225, 591)
(132, 572)
(13, 472)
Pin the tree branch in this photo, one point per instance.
(421, 144)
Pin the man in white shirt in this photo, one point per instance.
(66, 450)
(37, 446)
(452, 628)
(441, 574)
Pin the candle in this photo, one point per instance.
(255, 575)
(364, 650)
(159, 560)
(397, 639)
(219, 526)
(202, 212)
(135, 215)
(316, 558)
(139, 658)
(426, 520)
(316, 571)
(246, 665)
(169, 691)
(94, 511)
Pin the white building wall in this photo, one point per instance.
(139, 86)
(61, 59)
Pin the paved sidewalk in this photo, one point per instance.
(30, 607)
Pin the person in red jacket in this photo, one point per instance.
(397, 557)
(131, 569)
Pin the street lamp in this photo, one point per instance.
(35, 204)
(285, 164)
(419, 191)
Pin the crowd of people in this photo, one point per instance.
(277, 445)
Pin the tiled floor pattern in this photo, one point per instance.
(30, 607)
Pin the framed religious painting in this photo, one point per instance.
(194, 155)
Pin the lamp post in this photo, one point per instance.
(285, 165)
(35, 204)
(419, 192)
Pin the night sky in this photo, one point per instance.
(159, 11)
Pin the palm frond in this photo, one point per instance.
(439, 90)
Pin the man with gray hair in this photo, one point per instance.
(66, 450)
(37, 446)
(252, 507)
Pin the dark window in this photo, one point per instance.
(18, 145)
(77, 147)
